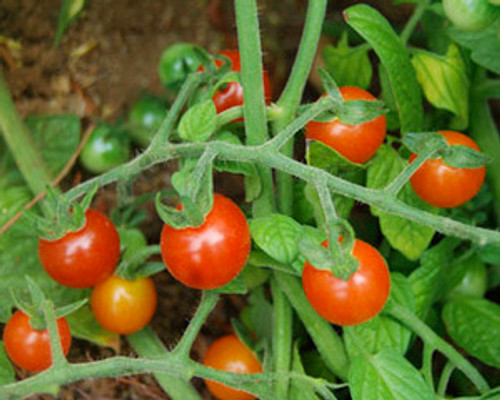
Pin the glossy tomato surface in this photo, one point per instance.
(441, 185)
(84, 258)
(471, 15)
(212, 254)
(30, 348)
(232, 94)
(356, 300)
(358, 143)
(123, 306)
(229, 354)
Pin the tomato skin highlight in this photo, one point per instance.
(441, 185)
(30, 348)
(229, 354)
(212, 254)
(356, 300)
(84, 258)
(358, 143)
(123, 306)
(232, 95)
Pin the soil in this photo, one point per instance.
(106, 59)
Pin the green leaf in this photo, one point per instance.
(490, 253)
(382, 332)
(445, 82)
(83, 325)
(408, 237)
(474, 325)
(236, 286)
(7, 374)
(300, 390)
(259, 313)
(427, 280)
(198, 123)
(321, 156)
(277, 235)
(377, 31)
(57, 137)
(258, 258)
(12, 200)
(68, 13)
(387, 375)
(483, 44)
(459, 156)
(349, 66)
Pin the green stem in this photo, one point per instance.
(292, 94)
(483, 129)
(21, 144)
(427, 364)
(282, 336)
(207, 304)
(58, 358)
(445, 378)
(254, 105)
(413, 21)
(146, 344)
(328, 343)
(432, 339)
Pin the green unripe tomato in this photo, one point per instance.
(474, 282)
(176, 63)
(471, 15)
(107, 147)
(145, 118)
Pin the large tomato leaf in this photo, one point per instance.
(410, 238)
(377, 31)
(474, 324)
(386, 375)
(382, 332)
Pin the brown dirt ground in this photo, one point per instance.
(106, 59)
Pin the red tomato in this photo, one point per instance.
(29, 348)
(229, 354)
(356, 300)
(441, 185)
(232, 94)
(84, 258)
(123, 306)
(212, 254)
(358, 143)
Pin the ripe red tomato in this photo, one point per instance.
(232, 94)
(212, 254)
(83, 258)
(356, 300)
(229, 354)
(123, 306)
(441, 185)
(358, 143)
(30, 348)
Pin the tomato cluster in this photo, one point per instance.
(229, 354)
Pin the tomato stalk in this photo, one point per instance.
(58, 359)
(445, 378)
(414, 20)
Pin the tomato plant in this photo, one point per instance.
(471, 15)
(356, 300)
(123, 306)
(30, 348)
(83, 258)
(358, 143)
(106, 148)
(229, 354)
(177, 62)
(212, 254)
(145, 118)
(442, 185)
(232, 94)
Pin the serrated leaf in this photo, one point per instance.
(387, 375)
(84, 326)
(57, 137)
(377, 31)
(198, 123)
(277, 235)
(474, 325)
(321, 156)
(427, 280)
(408, 237)
(484, 45)
(349, 66)
(444, 82)
(7, 374)
(383, 332)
